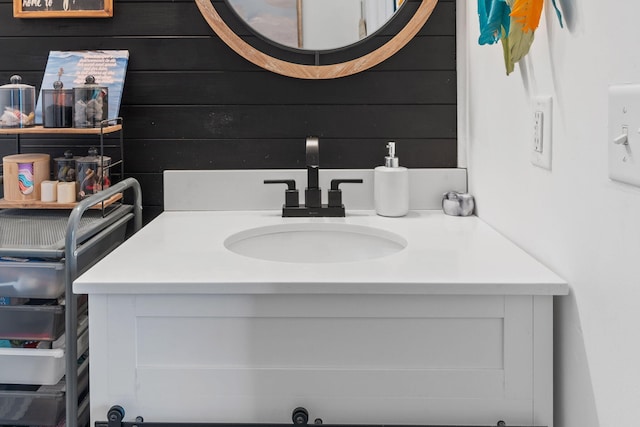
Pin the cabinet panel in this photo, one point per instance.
(321, 343)
(403, 359)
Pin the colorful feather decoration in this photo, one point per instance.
(516, 42)
(527, 13)
(516, 45)
(494, 19)
(513, 22)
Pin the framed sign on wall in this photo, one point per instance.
(62, 8)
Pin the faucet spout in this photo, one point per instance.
(313, 162)
(312, 194)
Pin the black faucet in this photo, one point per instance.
(313, 193)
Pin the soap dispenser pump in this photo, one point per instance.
(391, 186)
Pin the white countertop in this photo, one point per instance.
(183, 253)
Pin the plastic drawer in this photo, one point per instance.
(33, 322)
(45, 279)
(36, 366)
(26, 405)
(31, 279)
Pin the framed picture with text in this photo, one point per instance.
(108, 67)
(62, 8)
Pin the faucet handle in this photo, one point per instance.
(335, 194)
(291, 199)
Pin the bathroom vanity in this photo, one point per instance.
(451, 325)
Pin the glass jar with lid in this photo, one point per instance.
(17, 104)
(57, 106)
(92, 173)
(91, 103)
(65, 167)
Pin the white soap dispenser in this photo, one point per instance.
(391, 186)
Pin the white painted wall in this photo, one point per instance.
(574, 219)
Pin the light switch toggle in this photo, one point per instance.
(622, 139)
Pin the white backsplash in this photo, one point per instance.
(216, 190)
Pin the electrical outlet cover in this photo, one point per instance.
(541, 131)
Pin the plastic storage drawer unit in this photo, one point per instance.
(27, 405)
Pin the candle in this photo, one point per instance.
(49, 191)
(66, 192)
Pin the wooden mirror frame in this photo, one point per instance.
(303, 71)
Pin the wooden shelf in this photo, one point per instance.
(61, 131)
(36, 204)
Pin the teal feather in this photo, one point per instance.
(558, 14)
(494, 17)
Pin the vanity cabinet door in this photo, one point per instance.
(397, 359)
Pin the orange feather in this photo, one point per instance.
(527, 13)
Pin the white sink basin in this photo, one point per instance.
(315, 243)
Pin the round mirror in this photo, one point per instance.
(315, 24)
(325, 57)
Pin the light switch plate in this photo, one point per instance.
(624, 117)
(541, 131)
